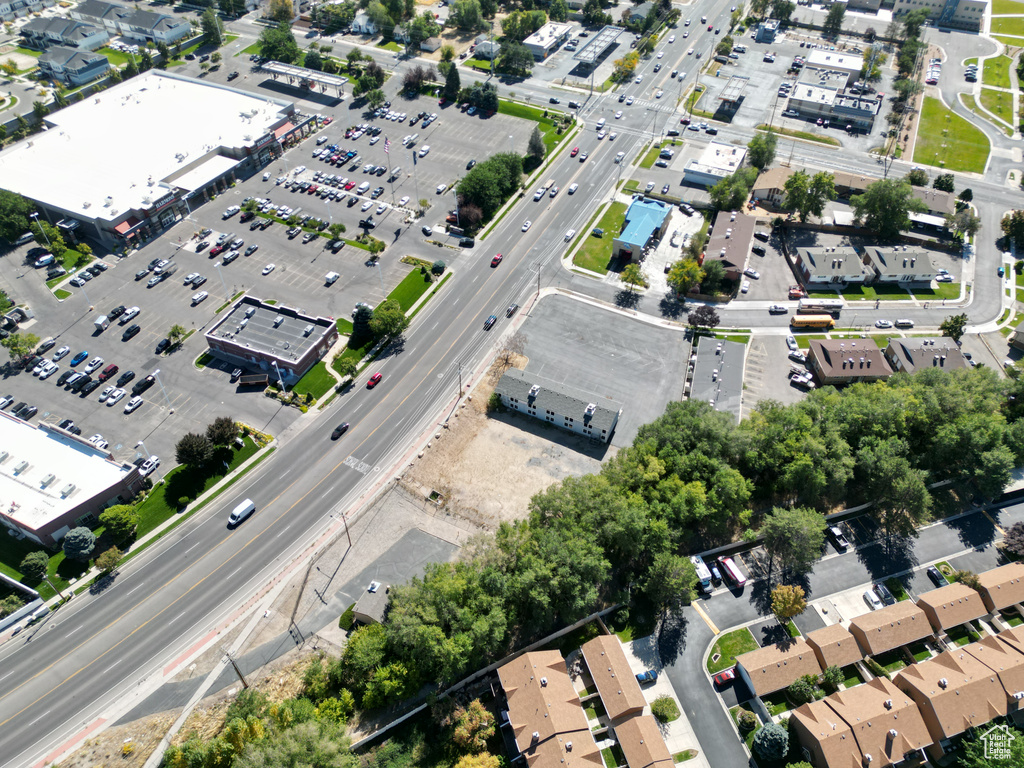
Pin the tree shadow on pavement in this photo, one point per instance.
(671, 306)
(627, 299)
(881, 559)
(672, 638)
(975, 531)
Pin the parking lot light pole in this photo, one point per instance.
(35, 217)
(277, 370)
(227, 293)
(156, 375)
(144, 451)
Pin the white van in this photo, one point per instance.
(395, 173)
(332, 278)
(600, 124)
(363, 187)
(241, 511)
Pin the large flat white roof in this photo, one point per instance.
(23, 496)
(123, 143)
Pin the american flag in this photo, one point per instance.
(387, 146)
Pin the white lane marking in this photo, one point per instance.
(40, 717)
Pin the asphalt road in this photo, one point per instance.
(91, 652)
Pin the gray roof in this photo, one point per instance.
(900, 260)
(69, 58)
(718, 375)
(373, 605)
(915, 354)
(562, 400)
(841, 261)
(286, 340)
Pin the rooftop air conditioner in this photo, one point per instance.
(21, 466)
(543, 682)
(67, 490)
(48, 479)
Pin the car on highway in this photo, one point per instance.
(872, 600)
(526, 225)
(572, 188)
(671, 38)
(489, 322)
(512, 309)
(777, 309)
(374, 380)
(639, 79)
(725, 677)
(339, 430)
(575, 151)
(583, 156)
(496, 260)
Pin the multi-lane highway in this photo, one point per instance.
(58, 678)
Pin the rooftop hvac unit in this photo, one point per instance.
(278, 320)
(892, 732)
(888, 703)
(543, 682)
(3, 456)
(48, 479)
(67, 490)
(591, 407)
(20, 467)
(534, 390)
(536, 736)
(943, 683)
(1019, 695)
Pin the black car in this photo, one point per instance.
(377, 192)
(512, 309)
(64, 378)
(162, 345)
(130, 331)
(246, 215)
(470, 164)
(66, 424)
(91, 387)
(116, 312)
(75, 430)
(884, 594)
(27, 413)
(125, 377)
(77, 386)
(18, 407)
(340, 430)
(490, 321)
(203, 245)
(255, 224)
(46, 346)
(144, 384)
(232, 76)
(936, 576)
(367, 223)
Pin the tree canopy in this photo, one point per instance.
(885, 207)
(15, 211)
(490, 182)
(278, 44)
(806, 195)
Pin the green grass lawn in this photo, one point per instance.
(999, 103)
(548, 129)
(1013, 42)
(408, 291)
(803, 340)
(162, 502)
(940, 130)
(682, 757)
(344, 326)
(851, 676)
(116, 58)
(250, 50)
(60, 293)
(791, 628)
(940, 291)
(996, 71)
(317, 381)
(1010, 26)
(596, 252)
(777, 703)
(729, 646)
(594, 709)
(748, 739)
(391, 46)
(895, 585)
(864, 293)
(946, 570)
(1004, 7)
(892, 661)
(613, 756)
(919, 651)
(962, 635)
(28, 52)
(1012, 618)
(805, 135)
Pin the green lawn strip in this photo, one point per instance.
(116, 58)
(182, 481)
(316, 382)
(919, 651)
(805, 135)
(192, 510)
(1012, 42)
(251, 50)
(728, 647)
(946, 570)
(596, 251)
(594, 709)
(939, 130)
(962, 635)
(390, 46)
(892, 661)
(61, 294)
(896, 586)
(344, 326)
(791, 628)
(999, 103)
(1011, 617)
(408, 292)
(864, 293)
(940, 291)
(803, 340)
(1008, 26)
(852, 676)
(228, 303)
(651, 157)
(682, 757)
(777, 703)
(996, 71)
(203, 360)
(748, 739)
(738, 338)
(1004, 7)
(613, 756)
(968, 62)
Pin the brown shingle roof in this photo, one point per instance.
(774, 178)
(620, 692)
(834, 646)
(1003, 658)
(1002, 587)
(1013, 636)
(847, 726)
(954, 692)
(890, 627)
(542, 701)
(774, 667)
(951, 606)
(848, 359)
(642, 743)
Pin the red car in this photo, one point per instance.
(724, 678)
(217, 250)
(496, 260)
(374, 380)
(575, 151)
(328, 120)
(350, 185)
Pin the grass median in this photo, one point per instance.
(996, 72)
(728, 647)
(999, 103)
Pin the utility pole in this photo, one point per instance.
(237, 670)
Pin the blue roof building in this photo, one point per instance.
(645, 222)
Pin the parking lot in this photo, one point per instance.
(607, 354)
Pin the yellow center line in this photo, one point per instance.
(700, 612)
(994, 523)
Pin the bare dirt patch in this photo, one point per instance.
(487, 468)
(138, 738)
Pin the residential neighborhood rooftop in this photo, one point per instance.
(834, 646)
(890, 627)
(1003, 586)
(620, 692)
(952, 605)
(774, 667)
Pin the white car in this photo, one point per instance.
(95, 363)
(424, 150)
(367, 206)
(381, 208)
(659, 94)
(872, 600)
(374, 140)
(639, 79)
(671, 38)
(39, 367)
(199, 298)
(61, 353)
(134, 404)
(404, 200)
(441, 188)
(281, 180)
(777, 309)
(791, 343)
(527, 225)
(50, 369)
(572, 188)
(149, 465)
(618, 114)
(660, 54)
(883, 324)
(601, 134)
(96, 438)
(745, 287)
(619, 157)
(299, 170)
(612, 135)
(190, 277)
(114, 396)
(107, 393)
(690, 52)
(751, 272)
(268, 269)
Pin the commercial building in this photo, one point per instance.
(1002, 587)
(951, 606)
(766, 31)
(43, 33)
(874, 724)
(619, 691)
(821, 94)
(547, 39)
(829, 267)
(716, 162)
(599, 44)
(565, 407)
(178, 141)
(960, 14)
(899, 264)
(644, 224)
(831, 61)
(545, 715)
(282, 342)
(52, 481)
(838, 362)
(890, 627)
(775, 667)
(132, 23)
(834, 646)
(730, 241)
(72, 66)
(911, 355)
(715, 375)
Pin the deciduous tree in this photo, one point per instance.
(788, 601)
(222, 431)
(20, 345)
(793, 538)
(761, 148)
(15, 211)
(79, 543)
(833, 24)
(108, 561)
(474, 725)
(278, 44)
(389, 321)
(671, 581)
(193, 450)
(34, 564)
(703, 316)
(211, 28)
(885, 207)
(1013, 541)
(684, 275)
(633, 276)
(954, 326)
(120, 521)
(917, 177)
(945, 182)
(807, 195)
